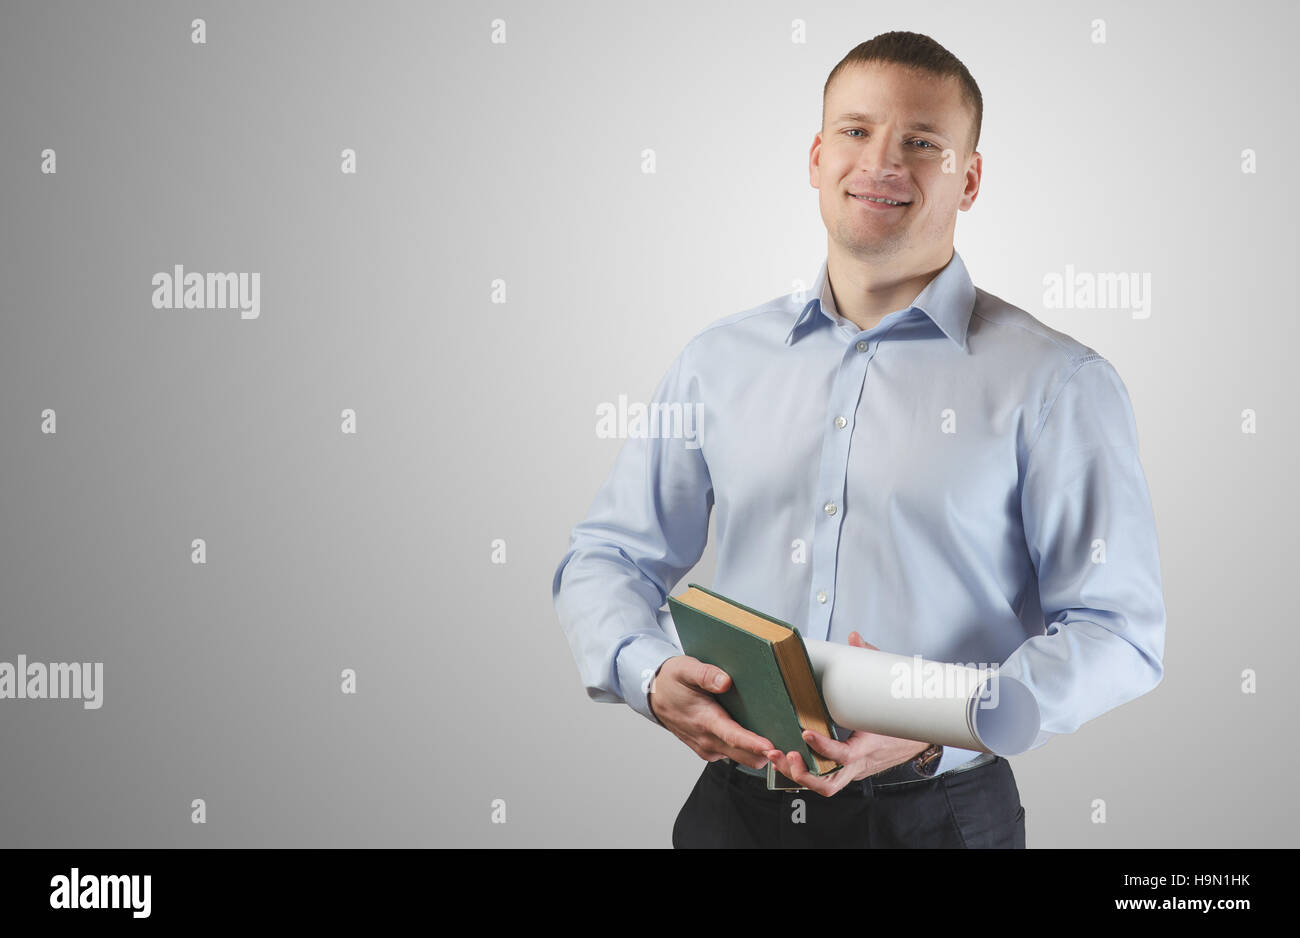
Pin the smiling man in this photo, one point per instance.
(899, 460)
(891, 180)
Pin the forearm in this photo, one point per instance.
(609, 619)
(1082, 668)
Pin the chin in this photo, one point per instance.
(857, 241)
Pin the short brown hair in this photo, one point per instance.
(921, 54)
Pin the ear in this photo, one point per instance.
(814, 162)
(974, 172)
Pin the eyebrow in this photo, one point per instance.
(860, 118)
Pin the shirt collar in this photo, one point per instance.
(947, 299)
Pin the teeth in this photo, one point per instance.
(867, 198)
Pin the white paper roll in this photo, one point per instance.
(931, 701)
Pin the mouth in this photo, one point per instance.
(879, 201)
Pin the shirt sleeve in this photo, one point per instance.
(646, 529)
(1091, 536)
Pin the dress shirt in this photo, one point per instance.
(960, 482)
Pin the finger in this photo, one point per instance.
(732, 734)
(831, 783)
(781, 762)
(857, 641)
(700, 746)
(778, 760)
(825, 785)
(824, 745)
(805, 778)
(799, 772)
(745, 758)
(755, 760)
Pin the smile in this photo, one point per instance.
(879, 201)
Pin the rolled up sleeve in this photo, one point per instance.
(645, 530)
(1091, 535)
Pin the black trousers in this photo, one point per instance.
(978, 807)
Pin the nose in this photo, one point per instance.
(881, 155)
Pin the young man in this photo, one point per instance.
(900, 456)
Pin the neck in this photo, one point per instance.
(867, 290)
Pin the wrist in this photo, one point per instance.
(650, 691)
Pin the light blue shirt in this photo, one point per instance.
(959, 482)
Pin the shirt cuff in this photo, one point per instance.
(638, 661)
(952, 758)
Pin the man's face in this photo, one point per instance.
(886, 131)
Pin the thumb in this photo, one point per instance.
(710, 678)
(857, 641)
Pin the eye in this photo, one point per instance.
(859, 130)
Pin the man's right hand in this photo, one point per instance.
(681, 698)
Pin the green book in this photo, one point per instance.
(773, 691)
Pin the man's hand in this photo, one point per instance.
(681, 698)
(862, 754)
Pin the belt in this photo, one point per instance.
(895, 776)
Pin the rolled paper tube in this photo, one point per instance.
(932, 701)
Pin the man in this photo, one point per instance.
(901, 457)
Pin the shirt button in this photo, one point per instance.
(830, 508)
(821, 596)
(862, 346)
(841, 423)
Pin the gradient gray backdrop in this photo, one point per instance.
(521, 161)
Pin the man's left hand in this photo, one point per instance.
(861, 755)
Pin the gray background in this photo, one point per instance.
(477, 420)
